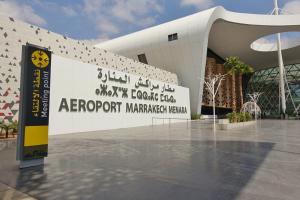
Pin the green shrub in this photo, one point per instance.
(229, 117)
(195, 116)
(242, 117)
(13, 126)
(248, 116)
(232, 117)
(8, 126)
(239, 117)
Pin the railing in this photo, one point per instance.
(169, 118)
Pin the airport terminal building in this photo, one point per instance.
(178, 55)
(196, 46)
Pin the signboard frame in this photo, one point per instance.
(32, 144)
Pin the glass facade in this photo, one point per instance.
(266, 81)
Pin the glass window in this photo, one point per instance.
(142, 58)
(172, 37)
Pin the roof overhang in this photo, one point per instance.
(231, 37)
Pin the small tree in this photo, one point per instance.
(8, 126)
(4, 127)
(235, 66)
(254, 98)
(213, 83)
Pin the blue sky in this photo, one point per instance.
(99, 20)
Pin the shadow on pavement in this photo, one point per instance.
(138, 169)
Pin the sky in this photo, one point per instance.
(100, 20)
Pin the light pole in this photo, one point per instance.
(281, 66)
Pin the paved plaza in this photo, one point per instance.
(176, 162)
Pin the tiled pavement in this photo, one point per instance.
(9, 193)
(162, 162)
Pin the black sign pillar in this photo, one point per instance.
(34, 106)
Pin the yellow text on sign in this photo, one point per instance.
(36, 135)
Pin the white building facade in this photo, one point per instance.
(14, 34)
(175, 52)
(181, 46)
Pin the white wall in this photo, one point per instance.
(186, 56)
(74, 79)
(14, 34)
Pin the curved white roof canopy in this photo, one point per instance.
(226, 33)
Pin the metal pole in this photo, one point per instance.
(255, 110)
(214, 111)
(281, 66)
(279, 103)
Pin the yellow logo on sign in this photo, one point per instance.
(40, 59)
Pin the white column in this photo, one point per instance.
(281, 66)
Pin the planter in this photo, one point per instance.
(225, 125)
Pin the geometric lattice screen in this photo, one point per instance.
(266, 81)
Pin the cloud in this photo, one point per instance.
(91, 6)
(100, 38)
(69, 11)
(131, 11)
(21, 12)
(134, 10)
(145, 22)
(291, 7)
(110, 17)
(199, 4)
(107, 26)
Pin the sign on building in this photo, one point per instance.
(34, 105)
(86, 97)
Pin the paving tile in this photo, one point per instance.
(11, 194)
(165, 162)
(3, 187)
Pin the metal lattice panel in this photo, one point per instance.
(226, 95)
(266, 81)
